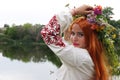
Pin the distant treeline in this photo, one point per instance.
(21, 33)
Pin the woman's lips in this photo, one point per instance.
(75, 44)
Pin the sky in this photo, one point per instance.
(40, 11)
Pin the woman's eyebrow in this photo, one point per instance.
(80, 32)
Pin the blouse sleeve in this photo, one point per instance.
(75, 56)
(51, 33)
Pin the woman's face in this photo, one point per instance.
(77, 37)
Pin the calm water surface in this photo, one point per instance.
(18, 70)
(29, 63)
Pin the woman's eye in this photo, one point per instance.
(72, 33)
(80, 34)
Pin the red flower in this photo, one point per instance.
(98, 10)
(93, 27)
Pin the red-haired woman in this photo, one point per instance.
(81, 53)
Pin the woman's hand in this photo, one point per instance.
(82, 10)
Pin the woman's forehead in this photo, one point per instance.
(76, 27)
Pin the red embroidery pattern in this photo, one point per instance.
(51, 33)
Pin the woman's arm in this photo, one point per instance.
(52, 32)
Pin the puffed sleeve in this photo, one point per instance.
(52, 32)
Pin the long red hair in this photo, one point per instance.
(94, 47)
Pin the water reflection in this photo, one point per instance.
(27, 63)
(30, 53)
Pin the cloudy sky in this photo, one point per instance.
(40, 11)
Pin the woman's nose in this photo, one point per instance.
(75, 37)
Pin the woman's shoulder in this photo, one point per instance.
(83, 54)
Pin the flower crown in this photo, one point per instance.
(107, 34)
(96, 17)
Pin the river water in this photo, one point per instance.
(18, 70)
(16, 67)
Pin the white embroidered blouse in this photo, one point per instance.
(76, 62)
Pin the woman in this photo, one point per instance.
(81, 53)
